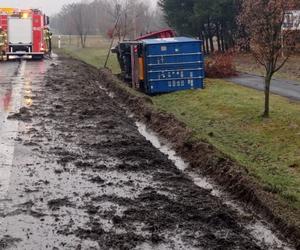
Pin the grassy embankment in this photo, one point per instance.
(95, 52)
(228, 116)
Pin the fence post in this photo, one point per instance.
(59, 41)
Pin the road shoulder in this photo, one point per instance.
(209, 161)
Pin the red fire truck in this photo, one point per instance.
(25, 32)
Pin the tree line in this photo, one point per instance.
(252, 25)
(125, 19)
(213, 21)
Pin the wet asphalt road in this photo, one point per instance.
(75, 173)
(285, 88)
(6, 104)
(12, 98)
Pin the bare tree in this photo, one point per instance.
(99, 17)
(68, 23)
(106, 14)
(80, 15)
(136, 17)
(270, 45)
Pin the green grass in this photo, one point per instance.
(228, 116)
(95, 57)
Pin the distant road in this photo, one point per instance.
(286, 88)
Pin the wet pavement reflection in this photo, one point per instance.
(16, 78)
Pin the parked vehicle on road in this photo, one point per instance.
(25, 32)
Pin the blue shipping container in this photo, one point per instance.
(173, 64)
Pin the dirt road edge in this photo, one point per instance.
(206, 159)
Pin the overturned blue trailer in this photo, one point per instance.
(165, 65)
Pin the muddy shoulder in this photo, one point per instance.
(205, 159)
(98, 180)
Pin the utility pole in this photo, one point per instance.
(113, 37)
(134, 23)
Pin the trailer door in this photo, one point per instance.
(19, 30)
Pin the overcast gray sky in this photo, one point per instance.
(48, 6)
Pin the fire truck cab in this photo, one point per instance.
(25, 32)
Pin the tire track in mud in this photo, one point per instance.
(85, 178)
(264, 233)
